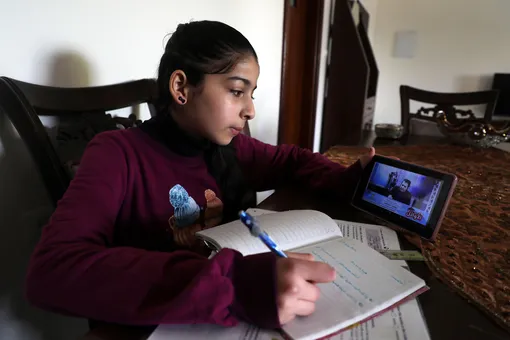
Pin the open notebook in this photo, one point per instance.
(367, 282)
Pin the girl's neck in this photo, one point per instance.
(187, 127)
(173, 133)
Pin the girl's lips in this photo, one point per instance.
(235, 131)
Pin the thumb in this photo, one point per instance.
(371, 152)
(367, 157)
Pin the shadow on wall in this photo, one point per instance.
(468, 83)
(68, 69)
(65, 68)
(473, 83)
(24, 209)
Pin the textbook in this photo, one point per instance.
(366, 285)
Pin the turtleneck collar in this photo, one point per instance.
(165, 129)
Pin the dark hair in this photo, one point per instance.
(408, 182)
(199, 48)
(209, 47)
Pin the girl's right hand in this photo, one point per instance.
(296, 291)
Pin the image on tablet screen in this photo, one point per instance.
(402, 192)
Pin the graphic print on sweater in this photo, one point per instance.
(189, 217)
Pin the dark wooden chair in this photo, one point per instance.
(82, 112)
(445, 102)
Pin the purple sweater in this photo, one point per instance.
(115, 248)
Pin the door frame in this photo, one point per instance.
(301, 56)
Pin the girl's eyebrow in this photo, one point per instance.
(244, 80)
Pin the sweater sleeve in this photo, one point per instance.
(269, 167)
(77, 270)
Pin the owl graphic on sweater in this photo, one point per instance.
(189, 217)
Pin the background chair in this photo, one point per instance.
(82, 112)
(447, 102)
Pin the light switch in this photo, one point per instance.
(406, 43)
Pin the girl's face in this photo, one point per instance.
(221, 105)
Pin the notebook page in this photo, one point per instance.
(289, 229)
(242, 331)
(377, 237)
(366, 283)
(402, 322)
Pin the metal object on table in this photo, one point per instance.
(389, 131)
(474, 132)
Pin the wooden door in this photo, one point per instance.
(301, 53)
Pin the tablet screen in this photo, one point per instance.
(407, 196)
(405, 193)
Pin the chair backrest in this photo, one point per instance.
(23, 103)
(446, 102)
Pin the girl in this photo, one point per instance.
(120, 246)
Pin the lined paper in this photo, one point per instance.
(366, 283)
(242, 331)
(375, 236)
(289, 229)
(402, 322)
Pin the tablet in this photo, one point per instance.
(407, 196)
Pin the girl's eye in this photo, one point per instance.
(237, 93)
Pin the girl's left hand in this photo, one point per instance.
(367, 157)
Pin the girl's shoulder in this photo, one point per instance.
(126, 139)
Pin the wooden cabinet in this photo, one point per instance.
(351, 78)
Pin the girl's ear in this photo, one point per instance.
(178, 85)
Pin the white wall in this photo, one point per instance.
(97, 42)
(460, 45)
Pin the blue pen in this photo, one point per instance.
(257, 231)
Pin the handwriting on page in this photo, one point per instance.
(356, 266)
(288, 229)
(377, 237)
(365, 284)
(293, 233)
(344, 281)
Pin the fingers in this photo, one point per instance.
(297, 301)
(304, 308)
(308, 292)
(317, 272)
(301, 256)
(295, 308)
(301, 289)
(296, 289)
